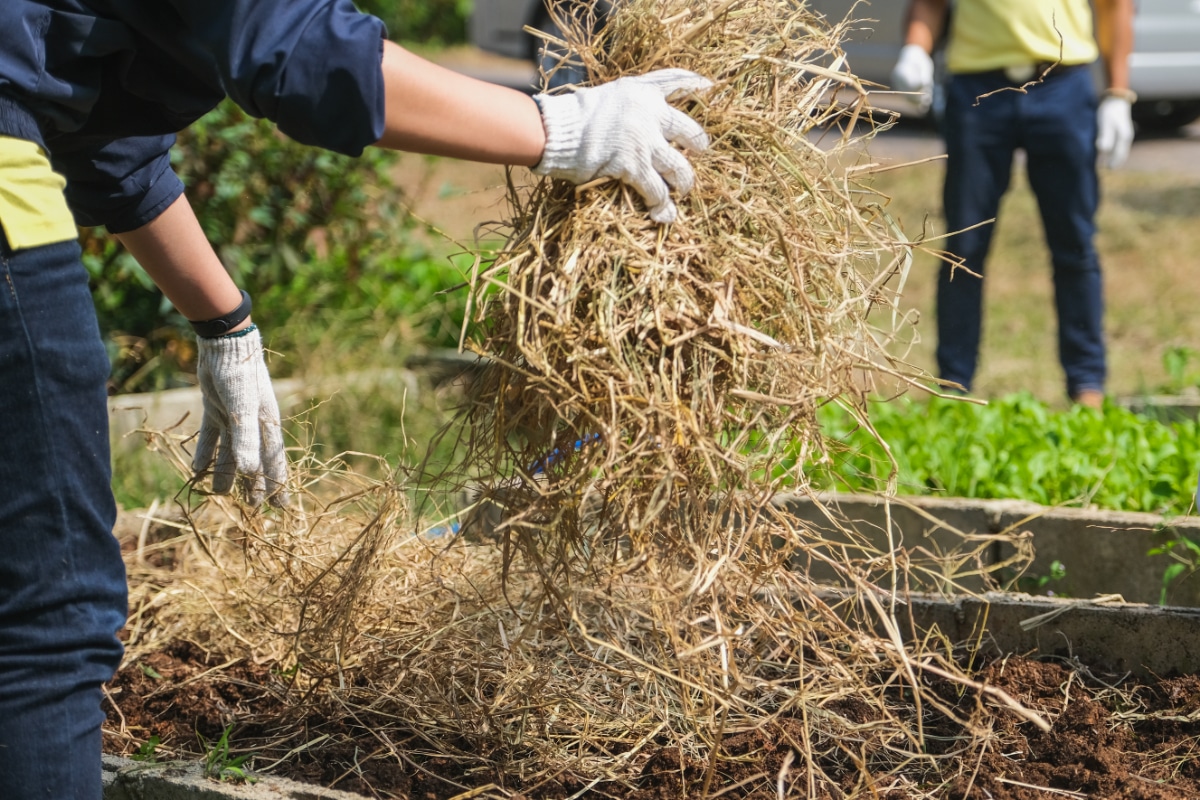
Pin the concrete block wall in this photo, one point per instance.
(125, 779)
(180, 410)
(1107, 636)
(1104, 552)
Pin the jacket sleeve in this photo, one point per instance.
(121, 184)
(313, 67)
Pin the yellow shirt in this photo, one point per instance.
(33, 210)
(996, 34)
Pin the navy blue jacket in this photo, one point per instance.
(104, 85)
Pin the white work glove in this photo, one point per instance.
(624, 130)
(1114, 135)
(241, 419)
(914, 73)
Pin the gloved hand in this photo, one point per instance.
(914, 73)
(1114, 136)
(624, 130)
(241, 419)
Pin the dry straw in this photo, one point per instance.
(690, 360)
(634, 612)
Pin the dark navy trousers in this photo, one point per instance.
(63, 592)
(1054, 122)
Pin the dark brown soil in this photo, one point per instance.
(1137, 741)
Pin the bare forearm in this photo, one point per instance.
(436, 111)
(179, 259)
(923, 23)
(1114, 31)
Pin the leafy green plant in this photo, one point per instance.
(221, 764)
(300, 228)
(425, 21)
(1041, 584)
(148, 750)
(1177, 361)
(150, 672)
(1016, 447)
(1185, 555)
(270, 204)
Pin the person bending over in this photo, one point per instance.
(91, 94)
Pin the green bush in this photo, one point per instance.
(305, 231)
(424, 21)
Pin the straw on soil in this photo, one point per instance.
(637, 604)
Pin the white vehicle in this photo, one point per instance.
(1164, 67)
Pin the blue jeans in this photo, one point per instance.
(1055, 124)
(62, 581)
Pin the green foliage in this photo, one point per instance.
(416, 288)
(1177, 361)
(267, 202)
(425, 21)
(142, 475)
(148, 751)
(1016, 447)
(1185, 555)
(150, 672)
(300, 228)
(219, 763)
(1040, 584)
(147, 340)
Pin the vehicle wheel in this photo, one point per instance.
(1158, 116)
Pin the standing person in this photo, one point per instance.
(1020, 77)
(91, 92)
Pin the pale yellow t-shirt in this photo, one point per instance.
(996, 34)
(33, 209)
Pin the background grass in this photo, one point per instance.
(1148, 239)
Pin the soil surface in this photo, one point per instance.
(1110, 738)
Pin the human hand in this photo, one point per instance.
(1114, 136)
(914, 73)
(624, 130)
(241, 419)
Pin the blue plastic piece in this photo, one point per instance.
(556, 455)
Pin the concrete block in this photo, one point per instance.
(125, 779)
(1105, 552)
(883, 526)
(180, 410)
(1145, 640)
(1110, 635)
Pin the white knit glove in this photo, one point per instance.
(624, 130)
(241, 419)
(914, 73)
(1114, 136)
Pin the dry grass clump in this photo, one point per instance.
(693, 357)
(629, 615)
(396, 650)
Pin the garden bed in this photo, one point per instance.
(1115, 681)
(1112, 736)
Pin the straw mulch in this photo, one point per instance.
(631, 608)
(689, 361)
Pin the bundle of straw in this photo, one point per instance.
(695, 356)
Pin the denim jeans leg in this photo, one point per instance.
(980, 141)
(1060, 140)
(62, 581)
